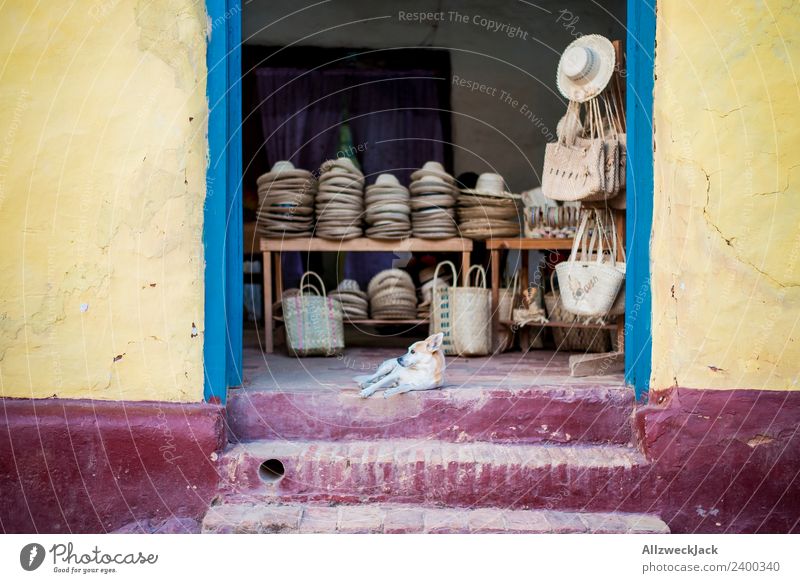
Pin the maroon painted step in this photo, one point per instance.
(581, 477)
(248, 518)
(558, 414)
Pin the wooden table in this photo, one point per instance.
(276, 247)
(523, 245)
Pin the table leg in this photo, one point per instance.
(266, 267)
(523, 269)
(464, 267)
(495, 267)
(279, 331)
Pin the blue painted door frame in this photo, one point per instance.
(222, 231)
(222, 228)
(640, 77)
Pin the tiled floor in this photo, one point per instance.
(278, 371)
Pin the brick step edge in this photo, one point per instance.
(581, 477)
(250, 518)
(590, 414)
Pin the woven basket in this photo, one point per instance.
(589, 285)
(508, 300)
(574, 339)
(313, 321)
(441, 313)
(472, 316)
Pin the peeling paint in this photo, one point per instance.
(725, 202)
(94, 186)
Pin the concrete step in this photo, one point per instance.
(578, 413)
(401, 519)
(472, 474)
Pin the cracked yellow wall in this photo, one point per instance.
(726, 227)
(102, 181)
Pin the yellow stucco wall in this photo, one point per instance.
(726, 228)
(102, 180)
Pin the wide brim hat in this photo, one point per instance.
(283, 170)
(344, 164)
(585, 67)
(490, 184)
(387, 179)
(432, 168)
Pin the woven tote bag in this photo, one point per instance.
(441, 312)
(313, 320)
(471, 316)
(574, 338)
(508, 299)
(618, 307)
(589, 286)
(574, 167)
(573, 171)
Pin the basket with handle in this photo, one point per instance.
(588, 286)
(618, 307)
(471, 315)
(441, 312)
(508, 299)
(577, 338)
(313, 320)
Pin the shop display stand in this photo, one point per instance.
(272, 249)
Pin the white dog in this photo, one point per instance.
(419, 369)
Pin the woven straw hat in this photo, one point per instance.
(387, 180)
(585, 67)
(432, 168)
(490, 184)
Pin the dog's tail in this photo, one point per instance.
(362, 378)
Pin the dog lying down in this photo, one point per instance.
(419, 369)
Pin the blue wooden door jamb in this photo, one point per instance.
(222, 227)
(222, 231)
(639, 214)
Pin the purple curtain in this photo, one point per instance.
(394, 121)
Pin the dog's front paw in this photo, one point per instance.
(365, 393)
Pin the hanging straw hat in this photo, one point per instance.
(490, 184)
(585, 67)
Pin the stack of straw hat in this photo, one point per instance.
(433, 198)
(392, 296)
(340, 200)
(387, 212)
(354, 302)
(286, 201)
(488, 210)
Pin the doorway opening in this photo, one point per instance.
(496, 108)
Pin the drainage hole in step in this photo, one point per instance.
(271, 471)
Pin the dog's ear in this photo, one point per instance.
(434, 341)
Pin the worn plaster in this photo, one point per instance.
(102, 181)
(726, 242)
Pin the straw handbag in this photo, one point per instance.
(584, 164)
(508, 299)
(573, 167)
(569, 338)
(313, 321)
(618, 307)
(589, 285)
(441, 313)
(471, 316)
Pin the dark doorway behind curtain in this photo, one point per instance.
(398, 120)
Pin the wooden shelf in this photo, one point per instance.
(529, 244)
(567, 325)
(373, 322)
(309, 244)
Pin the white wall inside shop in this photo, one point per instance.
(511, 48)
